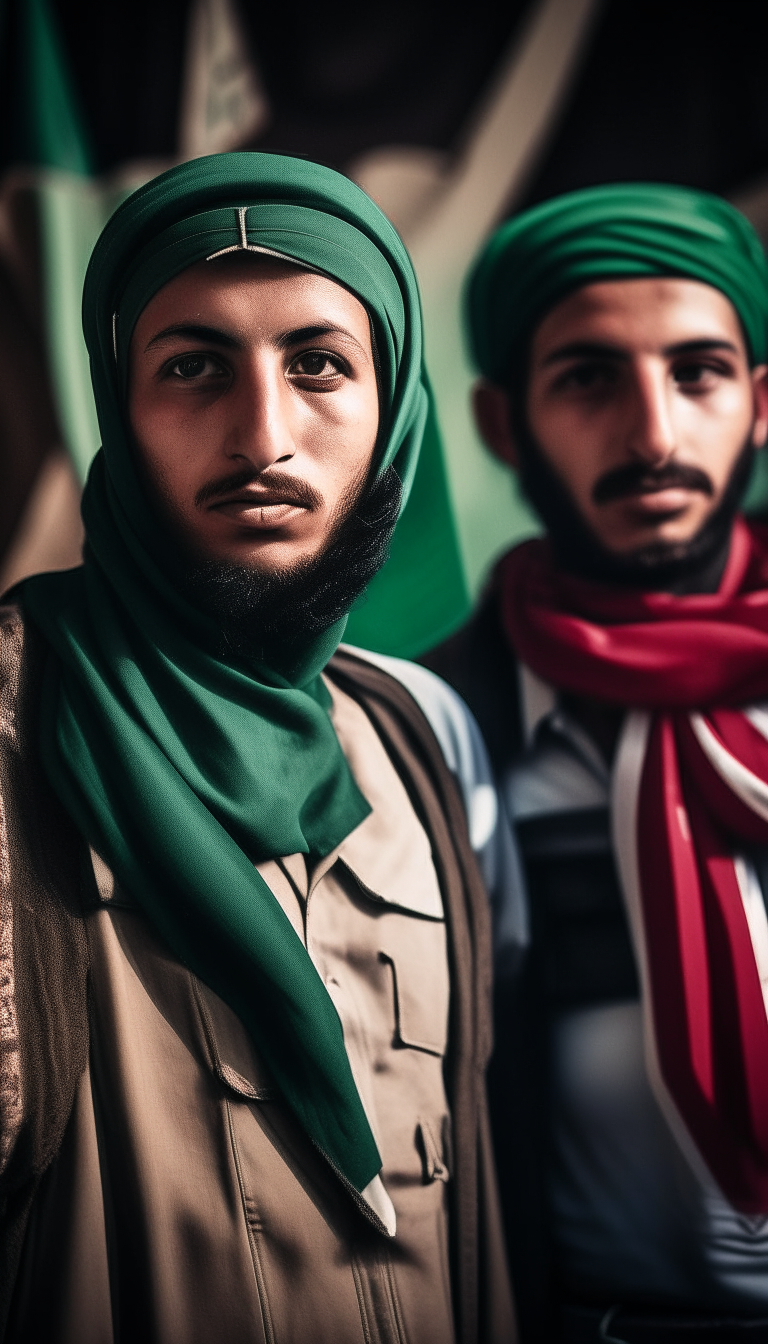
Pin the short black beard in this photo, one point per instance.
(695, 566)
(265, 616)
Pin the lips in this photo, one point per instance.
(660, 499)
(261, 510)
(260, 499)
(656, 487)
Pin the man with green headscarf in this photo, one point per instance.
(619, 669)
(244, 969)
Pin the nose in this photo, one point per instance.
(259, 431)
(650, 427)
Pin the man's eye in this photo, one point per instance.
(316, 364)
(189, 367)
(587, 376)
(696, 374)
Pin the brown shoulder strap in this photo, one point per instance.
(43, 950)
(483, 1300)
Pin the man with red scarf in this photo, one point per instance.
(619, 669)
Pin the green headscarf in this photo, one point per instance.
(183, 770)
(621, 230)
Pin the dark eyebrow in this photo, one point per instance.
(599, 350)
(701, 343)
(313, 333)
(584, 350)
(190, 331)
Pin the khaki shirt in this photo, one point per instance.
(185, 1189)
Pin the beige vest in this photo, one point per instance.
(185, 1202)
(182, 1163)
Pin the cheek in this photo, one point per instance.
(340, 431)
(164, 454)
(356, 409)
(716, 433)
(157, 424)
(150, 424)
(573, 444)
(168, 426)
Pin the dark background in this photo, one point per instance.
(673, 91)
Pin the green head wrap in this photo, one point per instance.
(182, 769)
(615, 231)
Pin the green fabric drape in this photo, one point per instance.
(182, 770)
(620, 230)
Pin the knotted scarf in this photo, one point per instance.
(690, 797)
(183, 769)
(610, 232)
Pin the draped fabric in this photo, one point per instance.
(690, 798)
(183, 769)
(619, 231)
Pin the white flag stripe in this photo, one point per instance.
(627, 778)
(747, 786)
(757, 919)
(758, 717)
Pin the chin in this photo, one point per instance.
(652, 541)
(671, 533)
(266, 558)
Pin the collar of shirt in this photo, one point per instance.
(561, 769)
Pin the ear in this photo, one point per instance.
(490, 404)
(760, 394)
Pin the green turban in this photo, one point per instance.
(181, 767)
(600, 233)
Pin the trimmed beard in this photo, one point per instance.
(264, 615)
(694, 566)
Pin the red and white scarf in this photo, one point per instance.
(690, 797)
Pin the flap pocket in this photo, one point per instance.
(420, 990)
(431, 1142)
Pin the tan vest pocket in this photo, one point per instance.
(420, 986)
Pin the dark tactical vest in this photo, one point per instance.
(581, 955)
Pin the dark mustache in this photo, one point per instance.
(637, 479)
(284, 489)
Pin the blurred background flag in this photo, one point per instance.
(444, 215)
(223, 103)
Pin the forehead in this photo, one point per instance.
(252, 292)
(644, 314)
